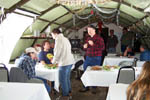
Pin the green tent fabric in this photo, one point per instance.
(48, 13)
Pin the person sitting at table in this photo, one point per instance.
(46, 50)
(140, 88)
(145, 53)
(129, 52)
(27, 63)
(44, 59)
(37, 48)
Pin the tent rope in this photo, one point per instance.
(87, 17)
(103, 11)
(105, 17)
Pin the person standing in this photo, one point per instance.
(112, 42)
(126, 39)
(64, 58)
(94, 47)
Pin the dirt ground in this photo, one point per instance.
(101, 92)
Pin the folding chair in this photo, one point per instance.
(4, 75)
(76, 68)
(125, 63)
(17, 75)
(78, 64)
(126, 75)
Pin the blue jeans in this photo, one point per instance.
(64, 79)
(123, 48)
(45, 83)
(92, 61)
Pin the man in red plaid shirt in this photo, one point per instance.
(94, 46)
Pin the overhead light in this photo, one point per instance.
(147, 9)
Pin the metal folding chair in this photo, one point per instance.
(126, 75)
(17, 75)
(4, 75)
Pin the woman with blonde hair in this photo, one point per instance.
(140, 88)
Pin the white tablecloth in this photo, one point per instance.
(117, 92)
(49, 74)
(114, 60)
(41, 71)
(102, 78)
(23, 91)
(140, 63)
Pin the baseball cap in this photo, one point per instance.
(30, 49)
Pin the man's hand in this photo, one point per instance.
(91, 42)
(85, 46)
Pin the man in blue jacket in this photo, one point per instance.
(145, 53)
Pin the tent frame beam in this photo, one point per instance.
(29, 11)
(14, 7)
(54, 21)
(17, 5)
(50, 8)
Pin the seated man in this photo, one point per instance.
(27, 63)
(129, 52)
(145, 53)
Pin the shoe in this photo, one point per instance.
(84, 90)
(70, 96)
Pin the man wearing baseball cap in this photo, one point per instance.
(27, 63)
(94, 46)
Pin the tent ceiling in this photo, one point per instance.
(38, 25)
(37, 6)
(8, 3)
(50, 13)
(138, 3)
(131, 11)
